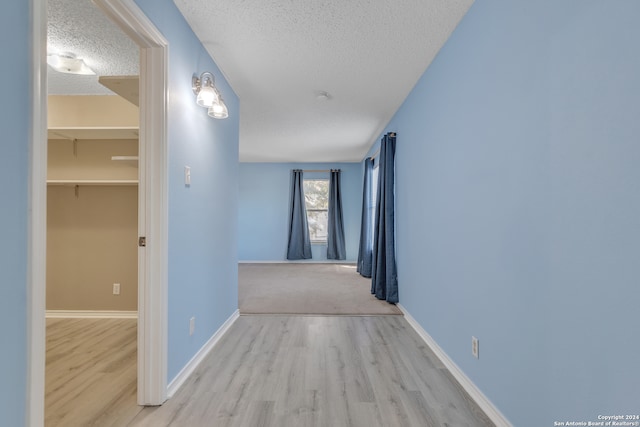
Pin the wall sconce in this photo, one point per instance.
(207, 95)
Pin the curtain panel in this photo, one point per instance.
(384, 277)
(299, 244)
(366, 236)
(335, 227)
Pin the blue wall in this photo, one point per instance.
(15, 119)
(518, 208)
(264, 209)
(203, 275)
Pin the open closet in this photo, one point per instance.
(92, 206)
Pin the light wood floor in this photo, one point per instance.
(90, 376)
(283, 371)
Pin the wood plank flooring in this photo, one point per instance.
(90, 377)
(319, 371)
(266, 371)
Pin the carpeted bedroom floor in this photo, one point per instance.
(307, 288)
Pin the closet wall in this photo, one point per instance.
(92, 203)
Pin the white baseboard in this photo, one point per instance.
(91, 314)
(302, 261)
(474, 392)
(262, 262)
(191, 366)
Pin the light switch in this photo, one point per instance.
(187, 175)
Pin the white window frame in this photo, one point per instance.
(374, 199)
(317, 241)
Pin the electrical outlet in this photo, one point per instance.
(187, 176)
(192, 325)
(475, 349)
(116, 288)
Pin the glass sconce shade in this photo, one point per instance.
(218, 110)
(207, 97)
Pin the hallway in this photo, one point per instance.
(277, 371)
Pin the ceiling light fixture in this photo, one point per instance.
(69, 63)
(207, 95)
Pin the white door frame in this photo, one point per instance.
(37, 218)
(152, 206)
(152, 197)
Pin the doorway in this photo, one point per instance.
(152, 210)
(92, 259)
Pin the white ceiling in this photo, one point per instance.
(279, 55)
(79, 27)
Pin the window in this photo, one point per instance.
(374, 200)
(316, 197)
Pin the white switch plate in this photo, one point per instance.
(192, 325)
(116, 288)
(187, 175)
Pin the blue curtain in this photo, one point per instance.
(366, 236)
(384, 277)
(299, 246)
(335, 231)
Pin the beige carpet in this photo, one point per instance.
(306, 288)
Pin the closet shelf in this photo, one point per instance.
(73, 182)
(71, 133)
(125, 158)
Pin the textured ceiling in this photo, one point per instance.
(279, 54)
(79, 27)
